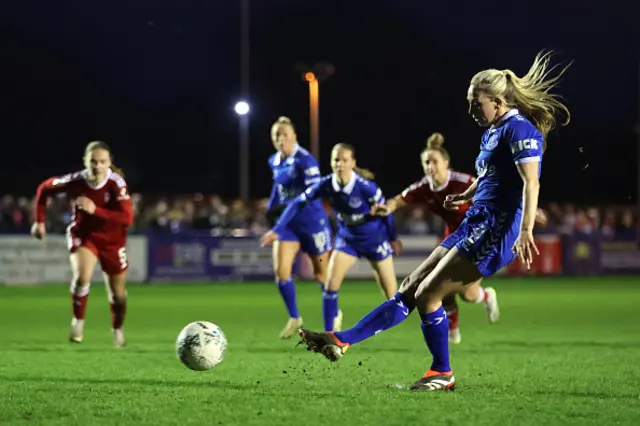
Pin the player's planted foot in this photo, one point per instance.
(323, 343)
(435, 381)
(291, 328)
(76, 332)
(337, 322)
(118, 338)
(491, 303)
(454, 336)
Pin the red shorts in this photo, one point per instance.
(113, 259)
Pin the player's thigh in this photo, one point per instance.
(83, 261)
(116, 284)
(451, 274)
(284, 254)
(320, 263)
(385, 274)
(113, 260)
(471, 292)
(339, 264)
(410, 284)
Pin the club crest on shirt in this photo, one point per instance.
(492, 142)
(107, 197)
(355, 202)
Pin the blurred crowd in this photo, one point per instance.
(235, 217)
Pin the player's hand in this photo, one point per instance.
(86, 205)
(38, 230)
(397, 247)
(524, 247)
(268, 238)
(381, 210)
(541, 217)
(452, 202)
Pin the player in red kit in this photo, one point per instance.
(431, 191)
(102, 212)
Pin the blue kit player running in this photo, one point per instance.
(519, 113)
(294, 170)
(352, 194)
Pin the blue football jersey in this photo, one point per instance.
(512, 141)
(352, 204)
(292, 176)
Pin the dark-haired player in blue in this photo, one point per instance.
(352, 194)
(519, 113)
(294, 170)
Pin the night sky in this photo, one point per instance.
(158, 79)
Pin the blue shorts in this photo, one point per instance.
(313, 234)
(486, 237)
(371, 250)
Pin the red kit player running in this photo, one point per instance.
(431, 191)
(102, 211)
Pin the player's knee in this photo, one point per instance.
(468, 294)
(333, 284)
(283, 272)
(410, 284)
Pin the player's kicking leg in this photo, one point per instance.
(83, 262)
(387, 315)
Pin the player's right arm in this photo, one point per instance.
(452, 202)
(46, 189)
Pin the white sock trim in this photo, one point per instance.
(79, 290)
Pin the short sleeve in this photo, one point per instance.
(374, 194)
(311, 170)
(525, 142)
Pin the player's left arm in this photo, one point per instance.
(526, 150)
(123, 214)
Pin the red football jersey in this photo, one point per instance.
(114, 210)
(423, 192)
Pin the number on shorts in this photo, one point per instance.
(320, 240)
(384, 249)
(122, 256)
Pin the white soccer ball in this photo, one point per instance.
(201, 345)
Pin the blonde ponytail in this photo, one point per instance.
(365, 173)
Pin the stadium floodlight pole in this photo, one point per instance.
(314, 76)
(242, 107)
(314, 115)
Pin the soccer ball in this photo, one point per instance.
(201, 345)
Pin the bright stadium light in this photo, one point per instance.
(241, 108)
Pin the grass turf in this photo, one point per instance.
(567, 351)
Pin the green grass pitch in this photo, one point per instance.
(566, 351)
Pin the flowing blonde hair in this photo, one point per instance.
(365, 173)
(531, 93)
(92, 146)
